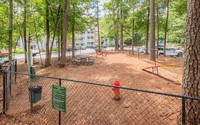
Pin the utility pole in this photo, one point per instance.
(98, 24)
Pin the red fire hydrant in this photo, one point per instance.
(116, 90)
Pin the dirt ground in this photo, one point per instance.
(129, 70)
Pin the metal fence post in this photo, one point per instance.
(183, 111)
(10, 78)
(59, 115)
(4, 92)
(15, 71)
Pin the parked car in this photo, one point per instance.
(83, 47)
(69, 48)
(143, 49)
(3, 52)
(92, 47)
(3, 56)
(170, 51)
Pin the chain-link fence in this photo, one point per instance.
(93, 104)
(8, 79)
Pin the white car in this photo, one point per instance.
(141, 49)
(170, 51)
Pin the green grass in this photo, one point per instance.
(18, 51)
(54, 49)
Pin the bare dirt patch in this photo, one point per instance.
(127, 69)
(88, 103)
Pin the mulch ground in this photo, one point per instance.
(89, 104)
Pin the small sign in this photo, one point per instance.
(59, 98)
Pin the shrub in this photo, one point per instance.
(18, 51)
(54, 49)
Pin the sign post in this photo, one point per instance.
(59, 99)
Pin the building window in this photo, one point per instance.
(33, 47)
(90, 37)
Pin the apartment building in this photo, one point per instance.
(89, 38)
(34, 45)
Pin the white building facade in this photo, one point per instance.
(89, 38)
(34, 45)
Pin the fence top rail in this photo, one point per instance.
(107, 85)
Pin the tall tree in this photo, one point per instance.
(56, 27)
(73, 32)
(132, 44)
(98, 27)
(191, 74)
(64, 33)
(24, 26)
(47, 59)
(121, 25)
(10, 30)
(152, 30)
(157, 8)
(114, 13)
(147, 31)
(166, 28)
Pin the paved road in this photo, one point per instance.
(69, 53)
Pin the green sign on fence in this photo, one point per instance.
(59, 98)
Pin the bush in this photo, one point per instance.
(18, 51)
(54, 49)
(128, 42)
(111, 45)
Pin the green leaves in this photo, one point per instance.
(138, 10)
(81, 18)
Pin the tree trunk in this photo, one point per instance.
(166, 28)
(115, 25)
(116, 36)
(117, 31)
(157, 30)
(37, 41)
(64, 34)
(152, 30)
(58, 46)
(133, 36)
(25, 41)
(59, 39)
(191, 74)
(10, 30)
(99, 38)
(121, 28)
(147, 34)
(55, 30)
(47, 59)
(29, 45)
(73, 34)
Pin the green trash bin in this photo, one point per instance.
(36, 92)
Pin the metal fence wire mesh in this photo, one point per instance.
(92, 104)
(9, 79)
(87, 103)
